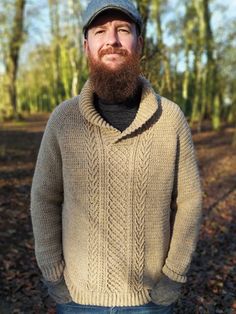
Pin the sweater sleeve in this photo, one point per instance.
(187, 205)
(46, 204)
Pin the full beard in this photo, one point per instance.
(115, 85)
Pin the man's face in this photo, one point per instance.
(111, 39)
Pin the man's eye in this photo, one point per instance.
(123, 30)
(100, 31)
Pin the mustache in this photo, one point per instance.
(111, 50)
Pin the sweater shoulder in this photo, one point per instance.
(172, 113)
(170, 108)
(64, 110)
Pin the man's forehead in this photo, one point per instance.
(110, 15)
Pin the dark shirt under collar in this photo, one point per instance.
(119, 115)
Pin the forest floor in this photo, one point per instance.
(211, 286)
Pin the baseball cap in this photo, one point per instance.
(95, 7)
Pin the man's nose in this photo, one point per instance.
(112, 38)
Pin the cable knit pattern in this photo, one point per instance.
(117, 221)
(139, 204)
(93, 211)
(112, 211)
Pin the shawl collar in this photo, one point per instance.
(147, 108)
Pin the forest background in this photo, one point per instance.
(190, 57)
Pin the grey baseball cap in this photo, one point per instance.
(95, 7)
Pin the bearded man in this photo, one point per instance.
(116, 198)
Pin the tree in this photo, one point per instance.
(15, 42)
(55, 70)
(143, 7)
(183, 58)
(164, 61)
(211, 105)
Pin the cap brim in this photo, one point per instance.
(116, 8)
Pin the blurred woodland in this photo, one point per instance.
(188, 59)
(185, 58)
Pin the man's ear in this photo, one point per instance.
(140, 44)
(85, 46)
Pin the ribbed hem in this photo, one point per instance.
(53, 272)
(83, 296)
(173, 275)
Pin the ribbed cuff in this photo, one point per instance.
(173, 275)
(53, 272)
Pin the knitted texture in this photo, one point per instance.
(111, 210)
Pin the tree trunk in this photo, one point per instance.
(166, 86)
(144, 9)
(59, 90)
(212, 105)
(197, 98)
(76, 53)
(186, 81)
(15, 43)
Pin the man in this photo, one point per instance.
(116, 198)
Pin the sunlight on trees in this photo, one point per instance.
(184, 57)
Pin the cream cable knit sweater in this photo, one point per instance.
(112, 210)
